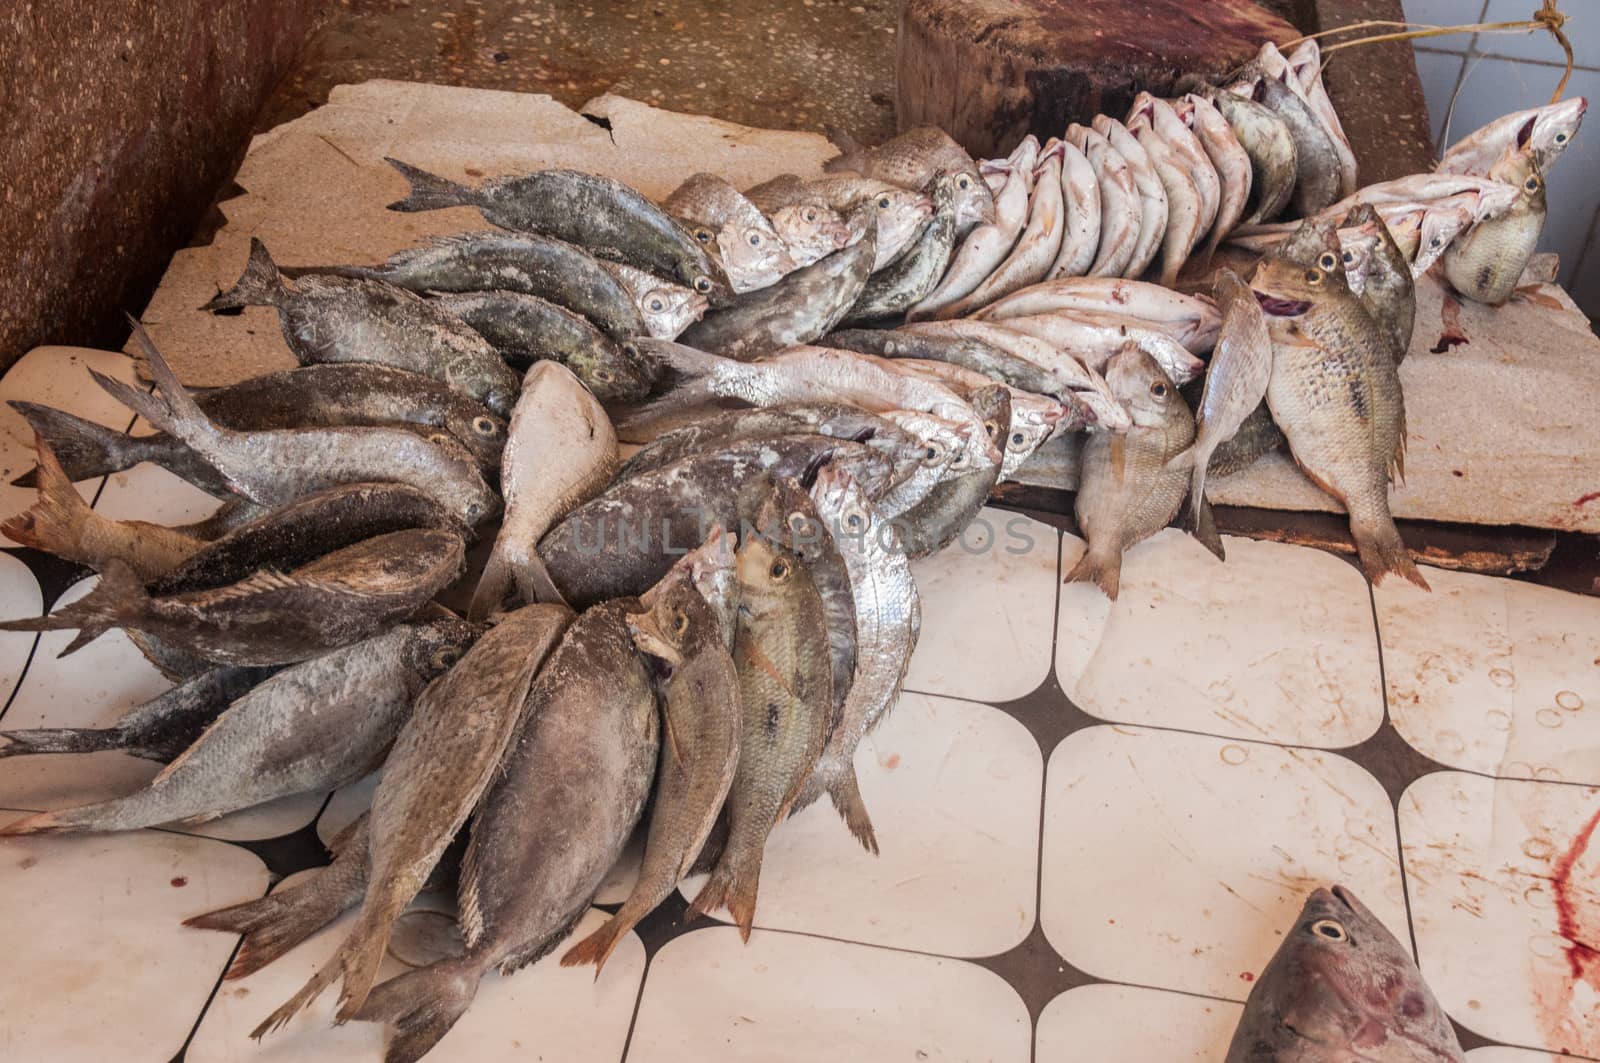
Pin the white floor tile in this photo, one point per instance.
(346, 806)
(787, 998)
(1495, 675)
(1276, 644)
(986, 610)
(1178, 861)
(1505, 895)
(99, 964)
(19, 596)
(541, 1012)
(149, 492)
(953, 790)
(1125, 1024)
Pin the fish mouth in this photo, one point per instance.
(1281, 307)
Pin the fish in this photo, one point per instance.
(341, 319)
(527, 329)
(272, 617)
(624, 540)
(1303, 77)
(974, 354)
(832, 419)
(719, 216)
(548, 830)
(1486, 262)
(701, 723)
(1121, 205)
(1317, 164)
(1123, 502)
(551, 269)
(1258, 435)
(60, 522)
(805, 304)
(1164, 120)
(1228, 158)
(935, 522)
(562, 452)
(276, 466)
(1236, 382)
(302, 531)
(1036, 248)
(1341, 987)
(667, 308)
(86, 450)
(1033, 418)
(1153, 209)
(159, 729)
(314, 726)
(1387, 291)
(1185, 207)
(780, 652)
(811, 229)
(600, 214)
(888, 622)
(1095, 337)
(1544, 131)
(898, 213)
(946, 452)
(1192, 320)
(911, 160)
(1335, 391)
(1265, 137)
(1080, 195)
(896, 288)
(446, 755)
(986, 246)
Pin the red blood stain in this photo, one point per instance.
(1586, 499)
(1246, 976)
(892, 761)
(1579, 954)
(180, 882)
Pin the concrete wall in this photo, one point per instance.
(119, 119)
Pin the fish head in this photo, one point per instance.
(481, 432)
(1358, 243)
(1522, 173)
(675, 621)
(766, 565)
(1441, 224)
(973, 201)
(1554, 128)
(668, 309)
(992, 405)
(937, 444)
(704, 275)
(433, 647)
(1032, 422)
(619, 372)
(843, 506)
(1143, 388)
(1341, 981)
(810, 229)
(900, 213)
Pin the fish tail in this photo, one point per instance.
(1205, 525)
(356, 964)
(85, 449)
(429, 191)
(60, 740)
(511, 561)
(598, 946)
(1103, 571)
(260, 285)
(171, 408)
(56, 520)
(493, 585)
(691, 390)
(849, 157)
(421, 1006)
(116, 601)
(732, 888)
(1383, 552)
(143, 808)
(845, 792)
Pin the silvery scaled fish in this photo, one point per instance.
(899, 286)
(719, 216)
(911, 159)
(1486, 262)
(667, 308)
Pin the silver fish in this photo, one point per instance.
(1152, 193)
(1080, 192)
(1553, 128)
(1121, 207)
(667, 308)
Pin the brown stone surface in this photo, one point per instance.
(991, 71)
(121, 119)
(1377, 93)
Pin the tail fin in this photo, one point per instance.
(845, 792)
(729, 887)
(850, 149)
(598, 946)
(85, 449)
(691, 390)
(1204, 528)
(279, 921)
(494, 584)
(356, 964)
(117, 601)
(1104, 571)
(1383, 552)
(421, 1006)
(259, 285)
(142, 808)
(429, 191)
(56, 520)
(60, 740)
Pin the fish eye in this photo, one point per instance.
(656, 305)
(1328, 260)
(1349, 257)
(1313, 276)
(809, 214)
(780, 570)
(1330, 929)
(963, 182)
(445, 658)
(604, 376)
(680, 622)
(991, 429)
(1561, 138)
(705, 236)
(1433, 242)
(702, 284)
(1159, 389)
(1018, 439)
(475, 510)
(798, 523)
(1532, 183)
(854, 521)
(883, 202)
(755, 239)
(485, 426)
(932, 453)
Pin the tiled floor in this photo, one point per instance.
(1097, 821)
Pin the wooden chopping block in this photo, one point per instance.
(989, 72)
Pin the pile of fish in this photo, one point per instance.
(824, 379)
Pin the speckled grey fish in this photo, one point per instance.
(1125, 498)
(520, 262)
(1387, 289)
(1339, 989)
(786, 699)
(443, 760)
(910, 160)
(888, 622)
(526, 329)
(1317, 166)
(667, 308)
(701, 725)
(570, 792)
(832, 419)
(277, 466)
(720, 217)
(159, 729)
(314, 726)
(343, 319)
(600, 214)
(899, 286)
(803, 305)
(936, 521)
(969, 352)
(898, 213)
(271, 617)
(1485, 263)
(624, 541)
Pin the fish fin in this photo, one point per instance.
(730, 889)
(711, 849)
(419, 1007)
(598, 946)
(1205, 523)
(493, 585)
(356, 964)
(40, 740)
(183, 758)
(429, 191)
(534, 582)
(1384, 553)
(56, 520)
(38, 823)
(259, 285)
(1104, 572)
(116, 601)
(85, 449)
(845, 792)
(850, 149)
(1183, 459)
(691, 390)
(353, 272)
